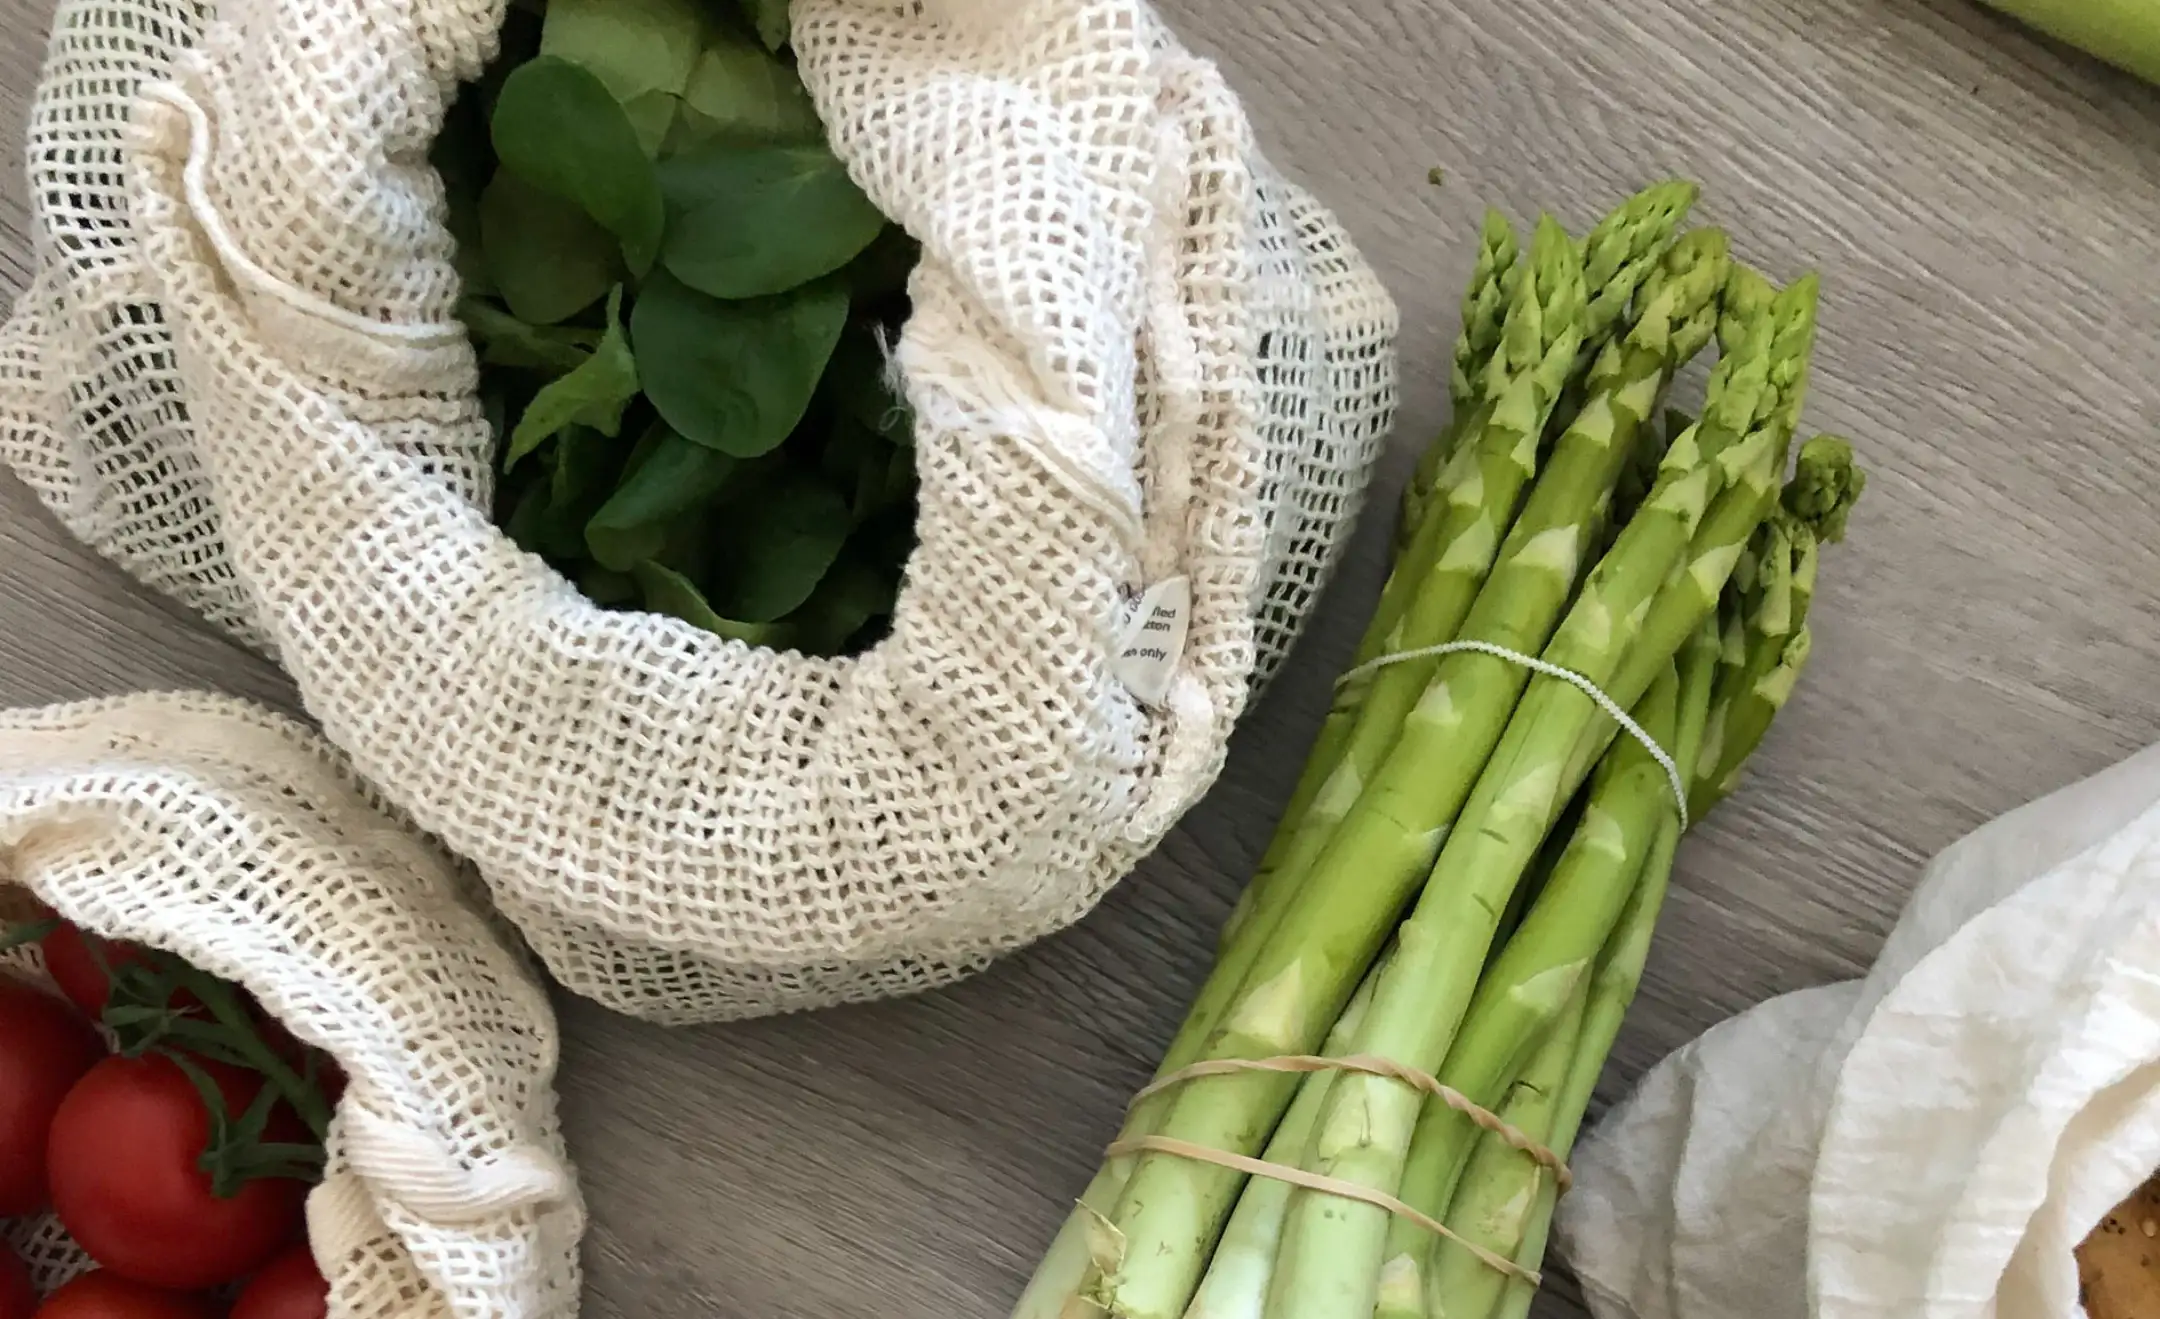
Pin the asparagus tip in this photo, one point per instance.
(1826, 483)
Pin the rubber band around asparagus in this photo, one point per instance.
(1427, 1084)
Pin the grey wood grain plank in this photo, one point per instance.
(1980, 203)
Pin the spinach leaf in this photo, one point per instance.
(734, 376)
(666, 591)
(528, 520)
(858, 384)
(507, 341)
(585, 465)
(857, 590)
(546, 257)
(749, 221)
(777, 544)
(880, 274)
(771, 18)
(557, 127)
(741, 92)
(605, 586)
(667, 476)
(849, 450)
(641, 50)
(593, 395)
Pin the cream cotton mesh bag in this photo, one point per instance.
(1149, 377)
(239, 842)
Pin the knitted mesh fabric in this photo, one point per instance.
(239, 841)
(1135, 353)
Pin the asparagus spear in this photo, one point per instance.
(1235, 1286)
(1503, 1187)
(1752, 468)
(1762, 620)
(1778, 646)
(1619, 974)
(1332, 1249)
(1484, 307)
(1822, 494)
(1542, 968)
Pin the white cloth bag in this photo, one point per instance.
(1932, 1142)
(238, 841)
(1138, 358)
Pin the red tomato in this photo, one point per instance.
(18, 1300)
(72, 959)
(44, 1049)
(101, 1295)
(289, 1287)
(124, 1157)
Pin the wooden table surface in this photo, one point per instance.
(1981, 205)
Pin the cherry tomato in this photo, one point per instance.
(44, 1049)
(127, 1183)
(79, 962)
(288, 1287)
(102, 1295)
(18, 1300)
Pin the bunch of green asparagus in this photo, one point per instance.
(1465, 883)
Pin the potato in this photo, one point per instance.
(2119, 1264)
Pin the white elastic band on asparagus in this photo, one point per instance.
(1588, 688)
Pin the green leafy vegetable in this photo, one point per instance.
(605, 586)
(881, 273)
(642, 51)
(667, 477)
(857, 379)
(734, 376)
(585, 466)
(757, 220)
(771, 19)
(854, 592)
(779, 541)
(594, 395)
(655, 241)
(740, 92)
(507, 341)
(669, 592)
(545, 256)
(558, 127)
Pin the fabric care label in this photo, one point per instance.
(1154, 640)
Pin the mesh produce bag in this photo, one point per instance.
(1149, 378)
(235, 840)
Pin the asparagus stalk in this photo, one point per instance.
(1765, 615)
(1504, 1187)
(1235, 1286)
(1778, 646)
(1619, 975)
(1484, 309)
(1542, 968)
(1290, 992)
(1437, 576)
(1751, 469)
(1332, 1249)
(1822, 494)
